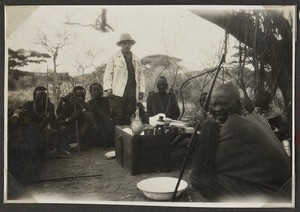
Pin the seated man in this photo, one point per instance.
(39, 115)
(248, 113)
(30, 133)
(72, 110)
(236, 158)
(163, 102)
(102, 131)
(271, 112)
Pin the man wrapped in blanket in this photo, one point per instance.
(235, 158)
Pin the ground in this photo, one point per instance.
(110, 181)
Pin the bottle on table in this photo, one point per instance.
(160, 126)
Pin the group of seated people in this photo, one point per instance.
(36, 127)
(237, 154)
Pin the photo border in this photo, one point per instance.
(79, 207)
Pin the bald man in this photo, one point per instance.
(235, 157)
(163, 102)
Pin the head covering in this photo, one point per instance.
(125, 37)
(272, 112)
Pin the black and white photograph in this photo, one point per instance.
(150, 105)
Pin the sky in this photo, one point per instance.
(170, 30)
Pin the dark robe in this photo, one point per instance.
(65, 111)
(36, 129)
(102, 133)
(248, 161)
(158, 103)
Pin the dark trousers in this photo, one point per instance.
(122, 109)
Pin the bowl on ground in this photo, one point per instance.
(161, 188)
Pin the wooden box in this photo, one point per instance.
(142, 153)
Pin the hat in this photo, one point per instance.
(125, 37)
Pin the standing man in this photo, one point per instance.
(124, 81)
(163, 102)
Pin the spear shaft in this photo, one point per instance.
(77, 133)
(46, 113)
(206, 105)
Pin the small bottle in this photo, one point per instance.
(160, 126)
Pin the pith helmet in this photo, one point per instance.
(125, 37)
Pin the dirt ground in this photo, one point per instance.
(109, 181)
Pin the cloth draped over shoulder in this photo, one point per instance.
(100, 109)
(247, 160)
(29, 111)
(103, 134)
(157, 103)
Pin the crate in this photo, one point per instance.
(143, 153)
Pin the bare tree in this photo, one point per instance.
(53, 45)
(80, 67)
(91, 55)
(99, 25)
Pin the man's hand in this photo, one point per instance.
(67, 97)
(75, 115)
(75, 102)
(141, 95)
(140, 105)
(108, 93)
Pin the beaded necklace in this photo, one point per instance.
(39, 115)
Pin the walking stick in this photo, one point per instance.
(77, 133)
(206, 105)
